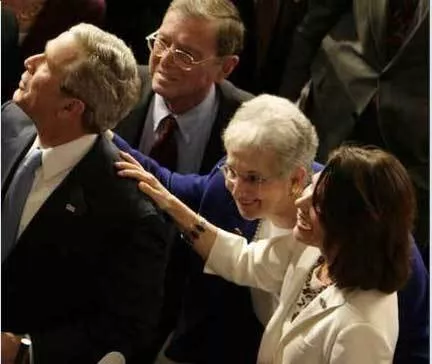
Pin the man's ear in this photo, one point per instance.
(73, 108)
(227, 66)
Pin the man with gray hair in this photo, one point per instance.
(193, 51)
(83, 252)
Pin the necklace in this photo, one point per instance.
(258, 230)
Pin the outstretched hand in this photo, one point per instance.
(147, 183)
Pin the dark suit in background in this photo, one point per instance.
(86, 275)
(370, 82)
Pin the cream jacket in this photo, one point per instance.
(337, 327)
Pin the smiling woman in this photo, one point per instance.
(337, 290)
(255, 192)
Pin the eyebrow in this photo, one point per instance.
(246, 172)
(183, 47)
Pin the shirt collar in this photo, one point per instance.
(58, 159)
(187, 122)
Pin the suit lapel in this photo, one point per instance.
(13, 150)
(70, 199)
(370, 18)
(327, 300)
(323, 304)
(293, 283)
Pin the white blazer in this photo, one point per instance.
(337, 327)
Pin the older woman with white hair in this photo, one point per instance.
(270, 147)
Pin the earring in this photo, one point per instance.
(296, 191)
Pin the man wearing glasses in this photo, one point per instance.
(195, 49)
(192, 53)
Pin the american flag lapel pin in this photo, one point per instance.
(323, 303)
(70, 207)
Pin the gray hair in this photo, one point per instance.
(230, 28)
(105, 77)
(273, 123)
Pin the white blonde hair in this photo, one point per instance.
(269, 122)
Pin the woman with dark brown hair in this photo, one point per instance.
(337, 280)
(365, 202)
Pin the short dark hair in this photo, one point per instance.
(366, 204)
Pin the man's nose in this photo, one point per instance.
(31, 62)
(167, 57)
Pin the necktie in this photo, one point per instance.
(164, 149)
(15, 199)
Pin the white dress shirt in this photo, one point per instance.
(57, 162)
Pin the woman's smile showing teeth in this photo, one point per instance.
(301, 223)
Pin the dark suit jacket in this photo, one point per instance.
(213, 322)
(353, 69)
(230, 98)
(86, 275)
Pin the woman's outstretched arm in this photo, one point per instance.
(200, 232)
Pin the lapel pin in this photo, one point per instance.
(323, 303)
(70, 207)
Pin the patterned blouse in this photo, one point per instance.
(312, 288)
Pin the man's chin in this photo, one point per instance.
(16, 97)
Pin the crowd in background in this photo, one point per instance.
(358, 69)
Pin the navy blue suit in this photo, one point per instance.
(217, 303)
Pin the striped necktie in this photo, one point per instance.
(164, 149)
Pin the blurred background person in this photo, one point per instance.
(368, 61)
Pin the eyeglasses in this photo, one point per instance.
(253, 180)
(181, 58)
